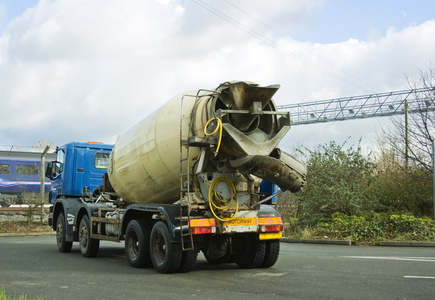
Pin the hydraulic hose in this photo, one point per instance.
(219, 127)
(212, 193)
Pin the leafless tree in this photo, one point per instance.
(412, 135)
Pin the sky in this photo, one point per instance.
(87, 70)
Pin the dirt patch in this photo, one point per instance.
(18, 224)
(22, 227)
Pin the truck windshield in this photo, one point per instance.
(101, 160)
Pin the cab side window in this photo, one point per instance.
(101, 160)
(60, 159)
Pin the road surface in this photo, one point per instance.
(33, 266)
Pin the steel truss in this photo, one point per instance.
(360, 107)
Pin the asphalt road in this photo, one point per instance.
(34, 267)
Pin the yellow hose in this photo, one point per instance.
(212, 192)
(219, 127)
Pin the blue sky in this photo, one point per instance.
(333, 21)
(99, 60)
(341, 20)
(10, 9)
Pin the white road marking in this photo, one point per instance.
(419, 277)
(270, 274)
(424, 259)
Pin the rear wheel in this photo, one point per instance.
(165, 256)
(62, 244)
(218, 260)
(137, 248)
(188, 260)
(89, 247)
(272, 253)
(251, 252)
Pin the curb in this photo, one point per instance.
(311, 241)
(406, 244)
(349, 243)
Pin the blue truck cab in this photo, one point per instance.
(268, 189)
(77, 171)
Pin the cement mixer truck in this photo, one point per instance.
(184, 179)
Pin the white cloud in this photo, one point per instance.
(87, 70)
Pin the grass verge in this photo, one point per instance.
(3, 296)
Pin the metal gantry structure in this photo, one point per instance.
(361, 107)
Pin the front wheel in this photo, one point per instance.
(165, 256)
(89, 247)
(62, 244)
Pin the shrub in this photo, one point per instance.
(337, 180)
(375, 227)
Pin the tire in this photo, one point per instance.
(62, 244)
(165, 256)
(219, 260)
(251, 252)
(272, 253)
(89, 247)
(137, 248)
(188, 261)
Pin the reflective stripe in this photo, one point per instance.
(269, 220)
(202, 222)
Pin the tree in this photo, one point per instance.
(412, 138)
(338, 180)
(401, 190)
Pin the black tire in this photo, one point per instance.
(272, 253)
(188, 261)
(219, 260)
(62, 244)
(251, 252)
(89, 247)
(165, 256)
(137, 248)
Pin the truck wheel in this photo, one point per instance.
(219, 260)
(188, 260)
(88, 247)
(165, 256)
(251, 252)
(137, 238)
(62, 244)
(272, 253)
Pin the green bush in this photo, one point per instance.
(350, 196)
(375, 227)
(343, 180)
(401, 190)
(338, 179)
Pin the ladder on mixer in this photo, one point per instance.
(185, 187)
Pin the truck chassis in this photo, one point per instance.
(153, 234)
